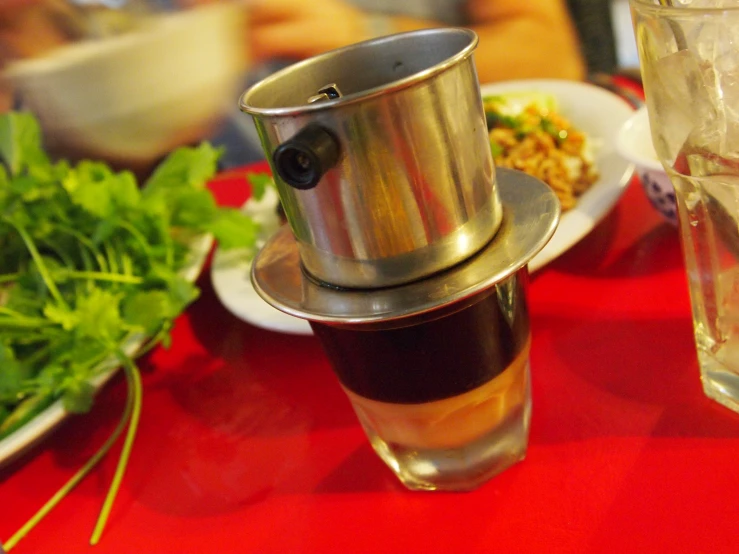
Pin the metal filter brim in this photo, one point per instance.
(530, 216)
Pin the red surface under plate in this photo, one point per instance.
(247, 443)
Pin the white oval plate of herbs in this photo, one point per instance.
(230, 274)
(47, 420)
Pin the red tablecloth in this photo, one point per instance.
(247, 443)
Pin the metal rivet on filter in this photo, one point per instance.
(328, 92)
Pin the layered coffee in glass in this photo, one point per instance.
(445, 398)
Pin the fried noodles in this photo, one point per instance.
(544, 144)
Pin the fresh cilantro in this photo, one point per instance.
(20, 143)
(549, 127)
(230, 225)
(495, 149)
(90, 261)
(259, 183)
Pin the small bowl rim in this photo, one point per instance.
(637, 123)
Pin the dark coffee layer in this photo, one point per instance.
(434, 359)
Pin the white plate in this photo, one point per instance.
(230, 274)
(15, 443)
(600, 114)
(594, 110)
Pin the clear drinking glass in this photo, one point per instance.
(444, 398)
(689, 55)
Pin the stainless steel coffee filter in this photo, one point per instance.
(381, 157)
(531, 213)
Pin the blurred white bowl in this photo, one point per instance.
(134, 97)
(634, 143)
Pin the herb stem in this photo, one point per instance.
(13, 313)
(111, 255)
(98, 276)
(140, 238)
(8, 277)
(156, 339)
(136, 393)
(37, 355)
(76, 478)
(25, 322)
(88, 243)
(127, 264)
(63, 256)
(42, 269)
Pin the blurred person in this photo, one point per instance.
(530, 39)
(118, 80)
(28, 29)
(35, 28)
(517, 39)
(534, 39)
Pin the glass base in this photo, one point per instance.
(459, 469)
(720, 383)
(458, 443)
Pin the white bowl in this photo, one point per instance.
(634, 143)
(134, 97)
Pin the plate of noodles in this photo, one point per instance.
(563, 132)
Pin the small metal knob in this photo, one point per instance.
(303, 160)
(328, 92)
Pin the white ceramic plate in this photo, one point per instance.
(230, 274)
(600, 114)
(37, 428)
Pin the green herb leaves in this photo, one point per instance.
(92, 265)
(88, 257)
(20, 143)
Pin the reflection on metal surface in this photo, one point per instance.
(531, 213)
(415, 172)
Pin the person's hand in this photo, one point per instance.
(30, 28)
(27, 30)
(300, 29)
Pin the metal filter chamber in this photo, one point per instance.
(381, 157)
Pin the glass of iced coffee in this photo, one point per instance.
(437, 370)
(444, 398)
(406, 249)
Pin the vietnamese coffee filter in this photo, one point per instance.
(381, 157)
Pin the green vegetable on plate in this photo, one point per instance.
(507, 110)
(91, 275)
